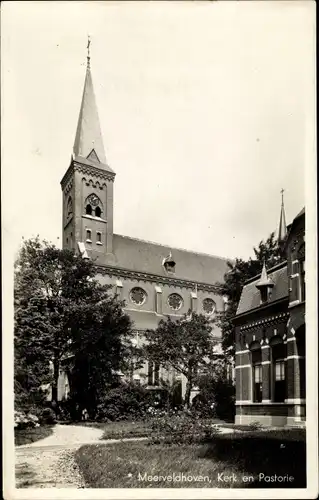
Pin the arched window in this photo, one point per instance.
(256, 372)
(69, 207)
(93, 205)
(153, 373)
(278, 354)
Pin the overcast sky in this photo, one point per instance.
(203, 109)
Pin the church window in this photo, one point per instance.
(69, 207)
(256, 373)
(209, 306)
(175, 301)
(138, 296)
(98, 212)
(88, 209)
(98, 237)
(88, 235)
(153, 376)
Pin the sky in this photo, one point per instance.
(205, 111)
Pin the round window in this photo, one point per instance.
(175, 301)
(138, 296)
(209, 306)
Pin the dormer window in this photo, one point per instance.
(169, 264)
(265, 286)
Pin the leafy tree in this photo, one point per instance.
(239, 272)
(185, 345)
(62, 310)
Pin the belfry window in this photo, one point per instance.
(88, 209)
(98, 212)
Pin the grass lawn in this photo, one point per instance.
(238, 455)
(30, 435)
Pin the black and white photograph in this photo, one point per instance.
(159, 249)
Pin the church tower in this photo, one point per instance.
(87, 186)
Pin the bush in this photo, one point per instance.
(47, 416)
(216, 397)
(180, 428)
(126, 401)
(23, 420)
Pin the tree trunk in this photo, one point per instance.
(56, 366)
(188, 393)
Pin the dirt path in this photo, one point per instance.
(49, 462)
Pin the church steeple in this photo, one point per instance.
(282, 231)
(87, 185)
(88, 144)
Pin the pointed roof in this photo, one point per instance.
(282, 231)
(88, 143)
(264, 280)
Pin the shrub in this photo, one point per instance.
(47, 416)
(216, 397)
(24, 420)
(180, 428)
(126, 401)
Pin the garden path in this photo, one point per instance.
(49, 462)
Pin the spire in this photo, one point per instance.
(282, 231)
(88, 142)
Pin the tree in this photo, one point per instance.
(62, 310)
(239, 272)
(185, 345)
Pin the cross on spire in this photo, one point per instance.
(88, 49)
(282, 230)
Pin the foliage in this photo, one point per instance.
(24, 420)
(62, 311)
(183, 344)
(47, 416)
(239, 272)
(125, 401)
(180, 427)
(31, 434)
(216, 396)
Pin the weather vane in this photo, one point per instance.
(88, 49)
(282, 195)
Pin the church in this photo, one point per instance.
(154, 280)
